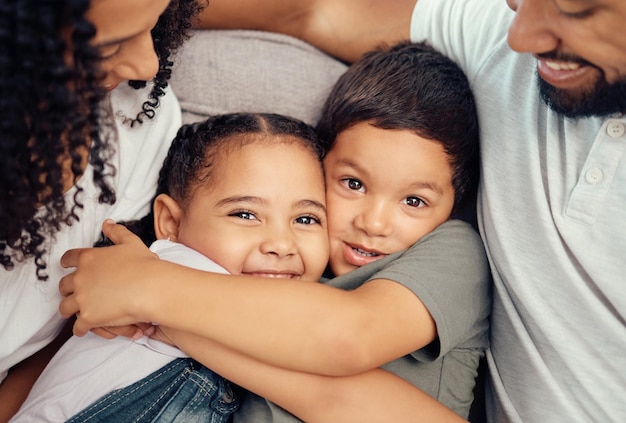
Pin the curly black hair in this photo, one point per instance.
(51, 107)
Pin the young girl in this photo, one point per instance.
(77, 144)
(239, 194)
(402, 157)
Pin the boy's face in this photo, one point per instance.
(262, 212)
(385, 189)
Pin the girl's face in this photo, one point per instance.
(124, 40)
(261, 212)
(385, 189)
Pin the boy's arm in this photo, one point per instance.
(375, 395)
(345, 29)
(297, 325)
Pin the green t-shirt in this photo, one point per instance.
(447, 269)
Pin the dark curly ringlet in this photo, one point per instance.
(51, 106)
(197, 146)
(410, 86)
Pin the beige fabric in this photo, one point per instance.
(224, 71)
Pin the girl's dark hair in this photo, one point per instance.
(192, 155)
(52, 112)
(410, 86)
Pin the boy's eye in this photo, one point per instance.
(414, 202)
(244, 214)
(353, 184)
(308, 220)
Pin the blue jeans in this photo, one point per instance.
(181, 391)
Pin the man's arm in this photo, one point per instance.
(343, 28)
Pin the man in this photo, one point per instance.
(551, 207)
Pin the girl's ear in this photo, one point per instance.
(167, 216)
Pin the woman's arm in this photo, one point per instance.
(21, 378)
(292, 324)
(345, 29)
(373, 396)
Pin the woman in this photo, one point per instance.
(78, 144)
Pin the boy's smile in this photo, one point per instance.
(385, 189)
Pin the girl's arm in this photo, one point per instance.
(292, 324)
(345, 29)
(373, 396)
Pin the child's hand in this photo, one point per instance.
(107, 286)
(160, 334)
(135, 331)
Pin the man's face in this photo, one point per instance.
(580, 46)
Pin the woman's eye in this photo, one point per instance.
(308, 220)
(353, 184)
(244, 215)
(109, 53)
(414, 202)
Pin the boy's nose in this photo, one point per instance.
(375, 220)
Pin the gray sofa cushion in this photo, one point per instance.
(225, 71)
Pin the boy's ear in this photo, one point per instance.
(167, 215)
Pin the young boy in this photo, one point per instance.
(402, 142)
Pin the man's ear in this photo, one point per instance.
(167, 216)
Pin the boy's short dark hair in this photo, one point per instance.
(410, 86)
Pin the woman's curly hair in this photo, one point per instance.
(52, 111)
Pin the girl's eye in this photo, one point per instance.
(308, 220)
(353, 184)
(414, 202)
(244, 214)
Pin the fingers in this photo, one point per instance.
(104, 333)
(70, 257)
(68, 307)
(118, 234)
(129, 331)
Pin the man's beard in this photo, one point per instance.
(602, 99)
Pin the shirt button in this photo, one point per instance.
(615, 129)
(594, 176)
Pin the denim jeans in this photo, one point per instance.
(181, 391)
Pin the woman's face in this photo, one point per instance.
(124, 40)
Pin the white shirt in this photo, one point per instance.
(87, 368)
(29, 318)
(552, 214)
